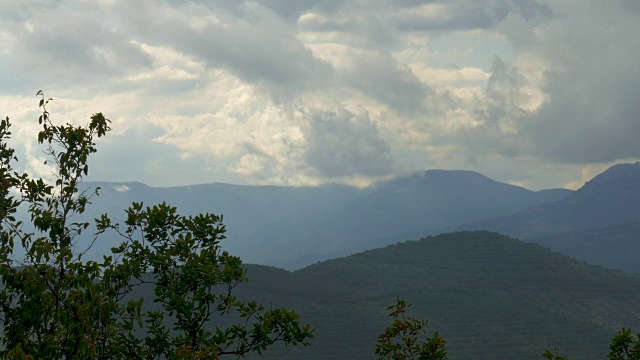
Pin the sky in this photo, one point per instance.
(536, 93)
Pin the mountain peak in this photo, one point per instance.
(447, 178)
(620, 178)
(609, 199)
(440, 172)
(465, 175)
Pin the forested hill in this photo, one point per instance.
(489, 296)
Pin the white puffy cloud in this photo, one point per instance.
(342, 144)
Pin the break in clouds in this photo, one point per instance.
(537, 93)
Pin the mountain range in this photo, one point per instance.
(598, 223)
(291, 227)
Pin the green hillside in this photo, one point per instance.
(489, 296)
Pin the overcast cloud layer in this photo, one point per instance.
(536, 93)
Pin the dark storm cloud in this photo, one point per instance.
(330, 25)
(498, 133)
(380, 77)
(67, 46)
(587, 125)
(252, 42)
(414, 3)
(293, 9)
(362, 29)
(570, 95)
(17, 11)
(463, 20)
(342, 144)
(287, 9)
(469, 14)
(592, 86)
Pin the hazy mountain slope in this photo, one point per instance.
(412, 204)
(616, 247)
(295, 226)
(490, 296)
(244, 207)
(611, 198)
(595, 223)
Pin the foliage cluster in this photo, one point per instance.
(56, 305)
(623, 346)
(401, 340)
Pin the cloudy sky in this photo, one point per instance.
(539, 93)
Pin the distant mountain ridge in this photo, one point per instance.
(605, 210)
(415, 204)
(244, 207)
(292, 227)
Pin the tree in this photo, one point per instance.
(401, 340)
(56, 305)
(623, 346)
(553, 355)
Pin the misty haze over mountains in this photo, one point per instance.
(291, 227)
(599, 223)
